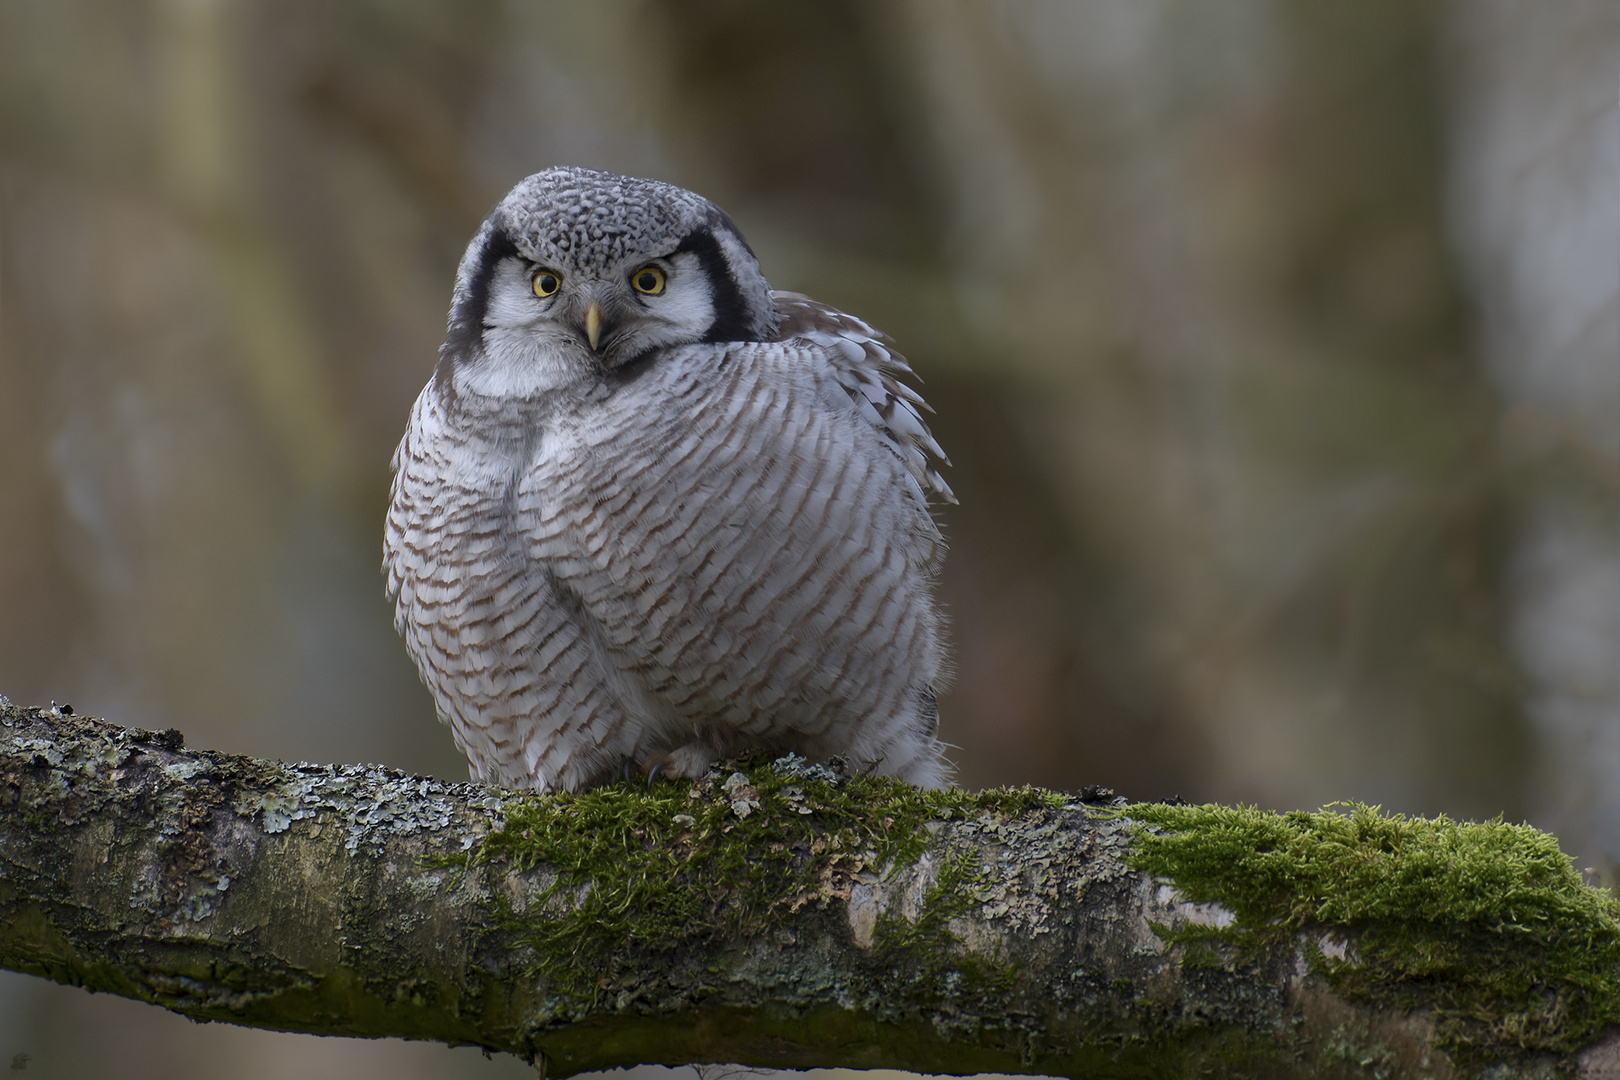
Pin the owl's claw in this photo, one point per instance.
(682, 763)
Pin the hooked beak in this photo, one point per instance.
(593, 324)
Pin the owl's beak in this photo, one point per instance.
(593, 323)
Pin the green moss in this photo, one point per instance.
(646, 870)
(952, 894)
(1488, 925)
(931, 975)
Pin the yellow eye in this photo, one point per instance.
(546, 282)
(649, 280)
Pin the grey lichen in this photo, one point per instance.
(369, 804)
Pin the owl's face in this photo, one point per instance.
(577, 274)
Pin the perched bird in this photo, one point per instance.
(649, 512)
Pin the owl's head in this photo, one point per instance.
(578, 273)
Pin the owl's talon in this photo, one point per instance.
(682, 763)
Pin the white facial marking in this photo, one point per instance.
(526, 352)
(687, 301)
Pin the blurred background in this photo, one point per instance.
(1276, 347)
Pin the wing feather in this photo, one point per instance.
(868, 369)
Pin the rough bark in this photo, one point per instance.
(342, 900)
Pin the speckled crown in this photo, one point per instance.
(593, 219)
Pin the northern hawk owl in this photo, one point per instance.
(649, 512)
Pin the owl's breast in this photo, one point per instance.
(734, 536)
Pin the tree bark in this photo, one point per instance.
(361, 901)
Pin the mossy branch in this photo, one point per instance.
(783, 913)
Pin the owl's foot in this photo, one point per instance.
(683, 763)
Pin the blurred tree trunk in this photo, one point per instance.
(340, 901)
(1536, 150)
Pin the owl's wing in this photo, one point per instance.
(742, 529)
(867, 369)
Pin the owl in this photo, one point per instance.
(649, 512)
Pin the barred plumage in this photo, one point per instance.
(658, 526)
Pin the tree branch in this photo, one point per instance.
(776, 914)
